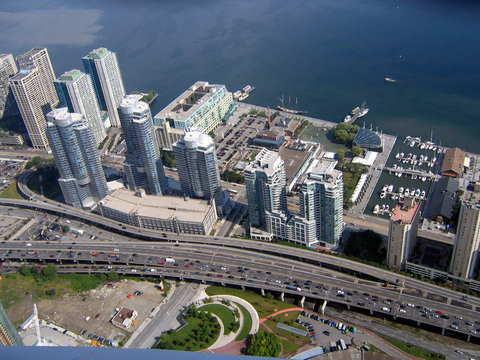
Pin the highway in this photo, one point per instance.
(233, 266)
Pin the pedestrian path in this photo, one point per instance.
(279, 313)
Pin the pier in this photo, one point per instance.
(429, 175)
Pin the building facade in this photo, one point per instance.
(467, 240)
(75, 91)
(8, 334)
(167, 136)
(33, 105)
(170, 214)
(285, 226)
(265, 182)
(143, 165)
(321, 200)
(196, 161)
(402, 233)
(75, 150)
(102, 65)
(202, 106)
(39, 58)
(8, 68)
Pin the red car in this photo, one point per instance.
(94, 254)
(187, 265)
(161, 262)
(439, 312)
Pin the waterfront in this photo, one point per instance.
(347, 48)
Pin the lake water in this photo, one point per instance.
(323, 56)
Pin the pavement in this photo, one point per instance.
(164, 317)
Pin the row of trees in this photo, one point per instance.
(264, 343)
(232, 176)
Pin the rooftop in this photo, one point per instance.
(367, 138)
(194, 138)
(405, 212)
(131, 103)
(267, 161)
(97, 53)
(453, 161)
(71, 75)
(472, 199)
(294, 160)
(163, 207)
(189, 101)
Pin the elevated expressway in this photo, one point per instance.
(285, 264)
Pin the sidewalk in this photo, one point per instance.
(151, 316)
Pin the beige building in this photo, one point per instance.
(34, 93)
(167, 136)
(164, 213)
(402, 233)
(39, 58)
(467, 240)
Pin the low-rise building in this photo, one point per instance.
(202, 105)
(453, 162)
(124, 318)
(167, 213)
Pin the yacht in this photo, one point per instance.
(390, 188)
(376, 209)
(400, 191)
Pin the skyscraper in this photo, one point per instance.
(102, 65)
(467, 240)
(321, 199)
(75, 91)
(8, 68)
(32, 103)
(8, 334)
(265, 181)
(39, 58)
(402, 233)
(34, 93)
(82, 179)
(197, 166)
(143, 165)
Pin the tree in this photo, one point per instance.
(24, 270)
(340, 155)
(49, 271)
(50, 292)
(264, 343)
(356, 151)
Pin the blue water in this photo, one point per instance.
(329, 54)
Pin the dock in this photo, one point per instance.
(412, 172)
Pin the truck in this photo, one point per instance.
(170, 260)
(343, 345)
(296, 288)
(77, 231)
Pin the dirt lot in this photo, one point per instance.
(70, 311)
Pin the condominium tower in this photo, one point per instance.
(321, 200)
(75, 150)
(265, 181)
(197, 166)
(75, 91)
(34, 93)
(8, 334)
(402, 233)
(8, 68)
(143, 165)
(102, 65)
(467, 240)
(39, 58)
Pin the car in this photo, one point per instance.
(187, 265)
(161, 262)
(94, 254)
(327, 333)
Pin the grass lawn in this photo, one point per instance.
(412, 350)
(289, 347)
(247, 323)
(290, 321)
(263, 306)
(224, 313)
(11, 192)
(186, 338)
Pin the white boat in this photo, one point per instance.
(347, 119)
(412, 144)
(392, 197)
(389, 79)
(422, 146)
(424, 178)
(434, 159)
(387, 207)
(417, 193)
(420, 163)
(383, 195)
(423, 193)
(385, 187)
(407, 192)
(376, 209)
(400, 191)
(390, 188)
